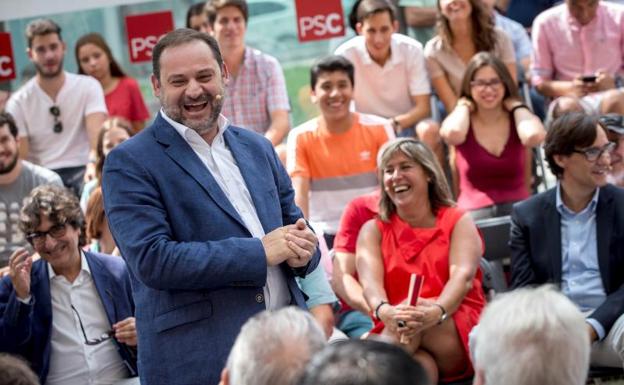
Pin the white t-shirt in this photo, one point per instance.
(30, 106)
(387, 91)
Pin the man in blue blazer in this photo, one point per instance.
(70, 313)
(573, 234)
(203, 213)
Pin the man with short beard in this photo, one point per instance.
(203, 212)
(17, 179)
(59, 114)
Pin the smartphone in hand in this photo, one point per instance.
(589, 78)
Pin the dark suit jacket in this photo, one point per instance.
(197, 272)
(536, 247)
(25, 330)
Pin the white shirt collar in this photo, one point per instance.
(84, 266)
(395, 57)
(188, 134)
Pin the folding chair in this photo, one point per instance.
(495, 233)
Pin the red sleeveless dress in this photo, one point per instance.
(425, 251)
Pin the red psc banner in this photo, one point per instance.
(7, 64)
(144, 31)
(319, 20)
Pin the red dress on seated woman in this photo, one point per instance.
(425, 251)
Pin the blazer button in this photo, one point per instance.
(259, 298)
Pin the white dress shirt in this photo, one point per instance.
(220, 162)
(72, 362)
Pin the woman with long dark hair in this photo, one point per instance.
(122, 93)
(492, 132)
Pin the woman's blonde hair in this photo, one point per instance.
(439, 191)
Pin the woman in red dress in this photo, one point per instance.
(420, 231)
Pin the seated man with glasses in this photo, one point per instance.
(573, 234)
(70, 313)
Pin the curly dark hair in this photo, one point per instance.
(58, 204)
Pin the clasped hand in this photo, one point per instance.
(408, 321)
(294, 244)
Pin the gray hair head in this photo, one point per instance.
(532, 336)
(274, 348)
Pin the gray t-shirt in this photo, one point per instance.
(11, 199)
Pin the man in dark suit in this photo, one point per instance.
(70, 313)
(203, 213)
(573, 234)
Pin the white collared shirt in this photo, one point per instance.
(72, 362)
(220, 162)
(387, 91)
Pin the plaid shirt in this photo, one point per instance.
(257, 90)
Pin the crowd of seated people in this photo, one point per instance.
(387, 208)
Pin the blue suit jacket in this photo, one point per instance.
(25, 330)
(197, 272)
(536, 247)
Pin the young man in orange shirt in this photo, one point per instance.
(331, 158)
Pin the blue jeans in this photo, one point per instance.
(354, 323)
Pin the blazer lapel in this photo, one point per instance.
(604, 218)
(552, 227)
(181, 153)
(250, 165)
(105, 286)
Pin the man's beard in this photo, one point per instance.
(201, 127)
(41, 70)
(9, 166)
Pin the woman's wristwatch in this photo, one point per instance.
(444, 314)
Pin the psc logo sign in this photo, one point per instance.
(7, 64)
(319, 20)
(144, 31)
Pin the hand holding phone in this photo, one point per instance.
(589, 78)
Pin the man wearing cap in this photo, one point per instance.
(615, 133)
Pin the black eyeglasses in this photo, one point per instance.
(481, 84)
(592, 154)
(38, 238)
(104, 337)
(58, 125)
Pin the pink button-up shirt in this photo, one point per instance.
(564, 49)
